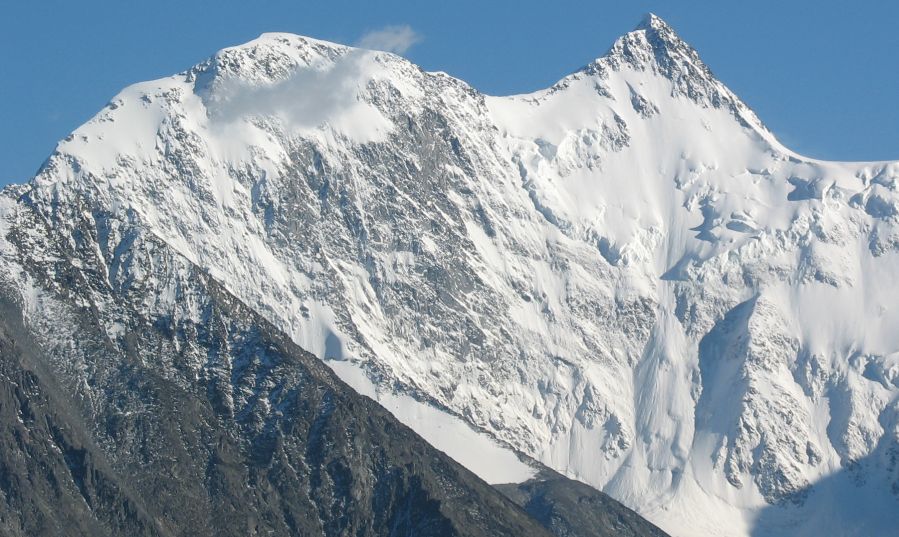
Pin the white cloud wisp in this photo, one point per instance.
(396, 39)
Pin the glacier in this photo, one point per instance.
(625, 276)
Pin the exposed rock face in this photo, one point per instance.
(573, 509)
(128, 410)
(52, 480)
(624, 276)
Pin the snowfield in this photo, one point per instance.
(624, 276)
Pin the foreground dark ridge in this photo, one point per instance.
(572, 509)
(161, 454)
(202, 419)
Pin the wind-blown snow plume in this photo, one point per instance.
(305, 100)
(396, 39)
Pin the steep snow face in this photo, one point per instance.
(624, 276)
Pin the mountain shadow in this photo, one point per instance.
(862, 499)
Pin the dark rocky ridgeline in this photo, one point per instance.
(126, 413)
(53, 480)
(570, 508)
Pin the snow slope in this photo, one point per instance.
(624, 276)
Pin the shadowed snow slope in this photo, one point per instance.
(624, 276)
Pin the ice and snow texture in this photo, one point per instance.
(478, 452)
(624, 276)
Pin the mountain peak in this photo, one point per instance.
(271, 57)
(651, 21)
(653, 46)
(661, 36)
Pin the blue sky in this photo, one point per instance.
(823, 75)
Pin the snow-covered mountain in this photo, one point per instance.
(624, 276)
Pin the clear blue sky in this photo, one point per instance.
(823, 75)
